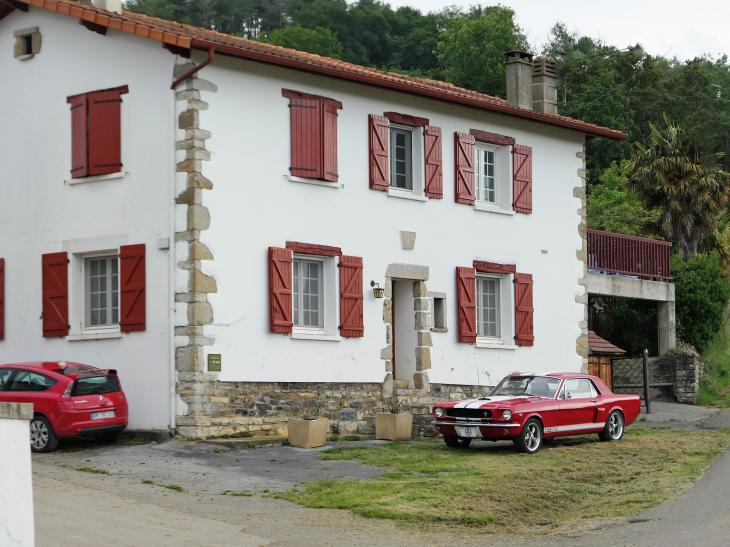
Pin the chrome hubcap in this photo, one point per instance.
(532, 437)
(615, 426)
(38, 434)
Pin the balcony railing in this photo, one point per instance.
(628, 255)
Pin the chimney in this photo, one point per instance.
(109, 5)
(545, 86)
(518, 65)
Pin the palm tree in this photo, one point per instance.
(688, 190)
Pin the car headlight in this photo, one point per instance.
(438, 411)
(507, 414)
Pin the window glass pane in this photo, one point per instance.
(488, 307)
(102, 290)
(578, 388)
(485, 175)
(400, 165)
(4, 376)
(26, 380)
(307, 293)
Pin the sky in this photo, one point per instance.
(674, 27)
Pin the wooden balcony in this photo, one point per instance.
(617, 254)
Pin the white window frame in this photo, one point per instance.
(502, 179)
(417, 191)
(505, 338)
(329, 301)
(87, 293)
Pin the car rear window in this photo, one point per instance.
(96, 385)
(68, 370)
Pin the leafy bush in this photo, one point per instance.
(701, 297)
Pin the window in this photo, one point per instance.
(313, 120)
(96, 142)
(488, 307)
(25, 380)
(102, 291)
(96, 385)
(401, 158)
(307, 293)
(485, 170)
(437, 314)
(5, 374)
(576, 388)
(27, 43)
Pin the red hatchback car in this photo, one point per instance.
(69, 400)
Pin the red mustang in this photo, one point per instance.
(527, 407)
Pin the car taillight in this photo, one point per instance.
(67, 392)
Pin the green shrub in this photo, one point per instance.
(701, 296)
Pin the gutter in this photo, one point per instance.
(503, 109)
(171, 270)
(211, 53)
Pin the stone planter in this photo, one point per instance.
(393, 427)
(307, 433)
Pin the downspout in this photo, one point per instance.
(211, 52)
(171, 269)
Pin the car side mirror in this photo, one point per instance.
(570, 395)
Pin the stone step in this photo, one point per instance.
(401, 384)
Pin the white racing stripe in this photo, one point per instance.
(576, 427)
(476, 403)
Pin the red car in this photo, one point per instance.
(527, 408)
(69, 399)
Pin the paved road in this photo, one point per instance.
(120, 511)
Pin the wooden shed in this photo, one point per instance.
(600, 352)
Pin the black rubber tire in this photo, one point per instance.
(110, 437)
(452, 441)
(530, 438)
(42, 437)
(614, 428)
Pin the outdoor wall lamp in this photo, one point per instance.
(378, 291)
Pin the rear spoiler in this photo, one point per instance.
(92, 373)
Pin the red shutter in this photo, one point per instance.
(2, 299)
(351, 297)
(464, 161)
(466, 289)
(132, 289)
(434, 171)
(523, 310)
(306, 138)
(79, 137)
(329, 123)
(55, 294)
(522, 164)
(105, 132)
(378, 127)
(280, 290)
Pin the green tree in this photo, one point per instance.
(319, 41)
(702, 294)
(689, 191)
(470, 49)
(612, 208)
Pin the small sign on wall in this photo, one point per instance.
(214, 362)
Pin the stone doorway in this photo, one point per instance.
(404, 334)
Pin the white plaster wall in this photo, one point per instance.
(253, 206)
(16, 488)
(40, 213)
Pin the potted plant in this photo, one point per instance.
(393, 425)
(309, 430)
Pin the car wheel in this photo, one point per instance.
(452, 441)
(529, 440)
(42, 437)
(110, 437)
(614, 428)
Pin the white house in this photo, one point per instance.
(216, 243)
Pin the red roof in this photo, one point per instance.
(598, 345)
(187, 37)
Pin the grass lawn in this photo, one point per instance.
(715, 383)
(500, 491)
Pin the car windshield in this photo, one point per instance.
(537, 386)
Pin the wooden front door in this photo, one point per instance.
(600, 365)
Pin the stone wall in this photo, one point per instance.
(581, 344)
(263, 408)
(682, 372)
(688, 370)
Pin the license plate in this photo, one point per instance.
(102, 415)
(471, 432)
